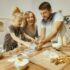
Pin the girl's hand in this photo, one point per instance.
(35, 41)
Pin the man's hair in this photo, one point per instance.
(45, 5)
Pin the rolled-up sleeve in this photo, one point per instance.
(58, 17)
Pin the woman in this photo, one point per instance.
(30, 30)
(13, 38)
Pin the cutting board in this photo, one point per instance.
(44, 59)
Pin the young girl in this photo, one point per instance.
(13, 38)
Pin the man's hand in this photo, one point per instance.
(39, 46)
(41, 43)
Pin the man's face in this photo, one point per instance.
(45, 13)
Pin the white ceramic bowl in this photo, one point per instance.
(56, 45)
(21, 65)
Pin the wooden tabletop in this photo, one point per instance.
(5, 65)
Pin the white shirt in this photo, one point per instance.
(49, 26)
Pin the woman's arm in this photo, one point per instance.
(29, 37)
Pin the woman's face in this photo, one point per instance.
(30, 19)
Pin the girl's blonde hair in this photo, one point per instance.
(16, 10)
(17, 13)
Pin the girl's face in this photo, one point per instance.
(30, 19)
(18, 20)
(23, 22)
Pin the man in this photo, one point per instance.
(51, 26)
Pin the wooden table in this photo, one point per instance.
(5, 65)
(42, 60)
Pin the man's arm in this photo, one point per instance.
(42, 34)
(56, 28)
